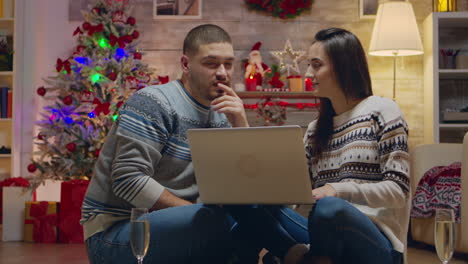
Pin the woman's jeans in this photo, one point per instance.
(187, 234)
(335, 228)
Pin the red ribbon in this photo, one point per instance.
(293, 76)
(95, 29)
(120, 40)
(77, 31)
(43, 224)
(101, 107)
(63, 64)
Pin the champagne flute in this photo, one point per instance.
(444, 234)
(139, 233)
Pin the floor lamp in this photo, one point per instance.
(395, 33)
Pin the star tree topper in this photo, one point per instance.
(288, 58)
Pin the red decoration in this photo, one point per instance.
(131, 21)
(163, 79)
(119, 104)
(309, 86)
(41, 91)
(250, 84)
(275, 81)
(135, 34)
(40, 136)
(101, 107)
(77, 31)
(284, 104)
(86, 25)
(71, 198)
(71, 147)
(117, 40)
(97, 152)
(95, 29)
(67, 100)
(118, 16)
(280, 8)
(15, 182)
(112, 76)
(63, 64)
(128, 38)
(32, 167)
(44, 230)
(137, 56)
(96, 10)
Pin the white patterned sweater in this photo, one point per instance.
(367, 163)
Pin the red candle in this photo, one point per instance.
(309, 86)
(251, 84)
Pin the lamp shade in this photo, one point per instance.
(395, 31)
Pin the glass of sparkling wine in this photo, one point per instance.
(139, 233)
(444, 234)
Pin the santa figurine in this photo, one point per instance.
(255, 69)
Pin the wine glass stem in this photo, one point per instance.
(140, 260)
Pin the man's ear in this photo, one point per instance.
(184, 63)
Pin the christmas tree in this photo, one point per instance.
(87, 91)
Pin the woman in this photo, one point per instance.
(358, 162)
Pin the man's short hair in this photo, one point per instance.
(204, 34)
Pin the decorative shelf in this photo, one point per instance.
(453, 73)
(453, 126)
(276, 94)
(6, 73)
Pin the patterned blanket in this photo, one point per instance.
(438, 188)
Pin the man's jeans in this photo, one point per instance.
(187, 234)
(335, 228)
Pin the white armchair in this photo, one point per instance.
(425, 157)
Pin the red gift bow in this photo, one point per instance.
(63, 64)
(293, 76)
(101, 107)
(120, 40)
(43, 224)
(14, 182)
(275, 81)
(94, 29)
(163, 79)
(77, 31)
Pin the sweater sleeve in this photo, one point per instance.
(141, 135)
(393, 190)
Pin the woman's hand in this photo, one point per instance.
(324, 191)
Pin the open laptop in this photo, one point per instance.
(256, 165)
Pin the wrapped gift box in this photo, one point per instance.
(40, 223)
(71, 198)
(295, 83)
(13, 212)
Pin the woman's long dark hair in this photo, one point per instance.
(352, 73)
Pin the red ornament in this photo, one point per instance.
(128, 38)
(40, 136)
(97, 152)
(71, 147)
(112, 76)
(67, 100)
(131, 21)
(80, 48)
(137, 56)
(86, 25)
(119, 104)
(96, 10)
(32, 167)
(135, 34)
(41, 91)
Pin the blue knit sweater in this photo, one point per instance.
(146, 151)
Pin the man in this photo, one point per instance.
(146, 162)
